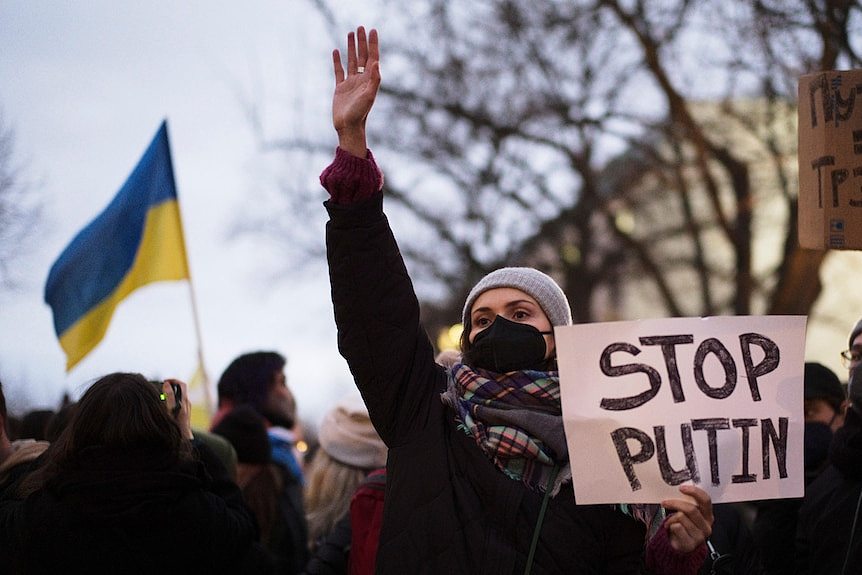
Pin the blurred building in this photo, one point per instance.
(654, 208)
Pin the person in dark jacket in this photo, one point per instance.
(829, 524)
(774, 528)
(257, 379)
(478, 479)
(124, 490)
(260, 480)
(732, 549)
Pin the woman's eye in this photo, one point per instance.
(520, 315)
(482, 322)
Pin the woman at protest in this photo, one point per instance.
(350, 449)
(478, 472)
(125, 490)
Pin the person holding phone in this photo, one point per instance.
(124, 489)
(478, 479)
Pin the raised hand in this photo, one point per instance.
(356, 90)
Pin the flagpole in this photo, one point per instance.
(194, 301)
(207, 394)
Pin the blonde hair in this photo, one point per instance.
(329, 487)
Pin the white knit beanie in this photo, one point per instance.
(347, 435)
(534, 283)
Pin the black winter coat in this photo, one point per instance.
(448, 509)
(131, 512)
(829, 531)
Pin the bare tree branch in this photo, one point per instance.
(20, 210)
(621, 146)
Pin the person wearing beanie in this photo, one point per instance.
(245, 429)
(347, 436)
(825, 399)
(478, 477)
(829, 528)
(775, 523)
(257, 380)
(854, 346)
(260, 480)
(852, 358)
(350, 449)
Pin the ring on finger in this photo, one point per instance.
(360, 69)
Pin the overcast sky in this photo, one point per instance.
(85, 86)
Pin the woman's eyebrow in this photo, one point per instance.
(515, 303)
(518, 302)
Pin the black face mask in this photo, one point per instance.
(854, 389)
(818, 436)
(506, 346)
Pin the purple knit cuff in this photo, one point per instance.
(662, 558)
(350, 179)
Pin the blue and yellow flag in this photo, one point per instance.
(136, 240)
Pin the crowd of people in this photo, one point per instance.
(453, 463)
(126, 485)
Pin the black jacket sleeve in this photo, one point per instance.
(377, 315)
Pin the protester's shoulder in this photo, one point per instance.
(828, 479)
(820, 491)
(220, 447)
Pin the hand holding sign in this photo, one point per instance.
(691, 523)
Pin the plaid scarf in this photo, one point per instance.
(516, 419)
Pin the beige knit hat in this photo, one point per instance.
(540, 286)
(346, 434)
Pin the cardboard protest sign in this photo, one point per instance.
(830, 160)
(718, 402)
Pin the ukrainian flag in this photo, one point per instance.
(136, 240)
